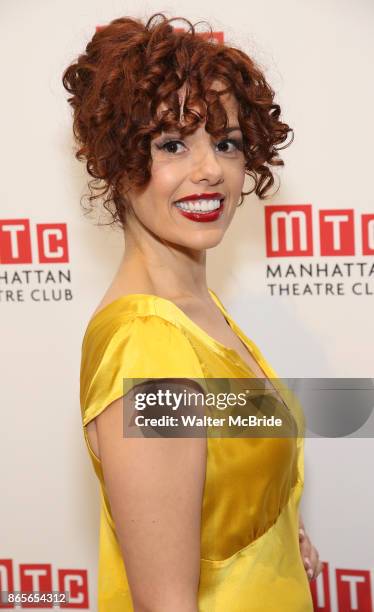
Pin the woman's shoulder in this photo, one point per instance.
(128, 340)
(134, 332)
(131, 323)
(125, 310)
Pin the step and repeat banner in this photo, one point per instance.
(296, 271)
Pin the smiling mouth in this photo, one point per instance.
(199, 211)
(202, 206)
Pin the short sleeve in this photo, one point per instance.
(144, 347)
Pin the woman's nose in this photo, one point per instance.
(206, 166)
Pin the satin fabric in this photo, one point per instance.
(250, 558)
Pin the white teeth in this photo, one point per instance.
(199, 205)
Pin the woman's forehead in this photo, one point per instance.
(228, 100)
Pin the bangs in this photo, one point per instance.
(185, 113)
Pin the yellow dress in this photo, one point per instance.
(250, 558)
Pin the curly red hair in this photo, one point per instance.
(129, 68)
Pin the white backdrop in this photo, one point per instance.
(318, 56)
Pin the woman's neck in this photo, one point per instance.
(168, 271)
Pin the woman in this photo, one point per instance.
(170, 122)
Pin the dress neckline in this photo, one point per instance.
(164, 305)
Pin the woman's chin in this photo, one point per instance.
(202, 240)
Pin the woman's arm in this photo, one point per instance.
(155, 489)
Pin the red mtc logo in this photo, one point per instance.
(15, 242)
(353, 591)
(37, 578)
(289, 231)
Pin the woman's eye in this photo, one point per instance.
(237, 144)
(170, 146)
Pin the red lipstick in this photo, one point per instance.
(202, 216)
(202, 196)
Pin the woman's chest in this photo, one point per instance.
(213, 323)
